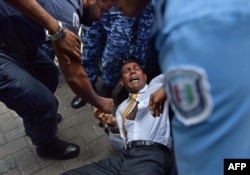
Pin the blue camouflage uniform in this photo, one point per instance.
(204, 51)
(113, 39)
(28, 76)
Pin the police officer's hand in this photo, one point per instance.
(156, 102)
(105, 118)
(68, 48)
(105, 105)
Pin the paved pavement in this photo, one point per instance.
(18, 156)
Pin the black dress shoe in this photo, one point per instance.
(58, 117)
(58, 149)
(77, 102)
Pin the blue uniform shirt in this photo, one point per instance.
(204, 51)
(22, 34)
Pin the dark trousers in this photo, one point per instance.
(27, 84)
(138, 161)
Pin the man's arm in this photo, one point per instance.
(35, 11)
(78, 81)
(157, 95)
(114, 134)
(157, 101)
(67, 50)
(68, 47)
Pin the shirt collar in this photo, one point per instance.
(144, 89)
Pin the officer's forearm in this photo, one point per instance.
(78, 81)
(81, 86)
(35, 11)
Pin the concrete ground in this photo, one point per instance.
(18, 156)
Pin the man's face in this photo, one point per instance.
(130, 7)
(132, 77)
(93, 10)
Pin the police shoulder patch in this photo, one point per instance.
(188, 91)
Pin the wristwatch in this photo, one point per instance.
(61, 32)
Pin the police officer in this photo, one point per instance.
(68, 47)
(29, 77)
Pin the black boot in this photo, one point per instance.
(77, 102)
(58, 149)
(58, 117)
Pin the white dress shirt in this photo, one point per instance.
(144, 126)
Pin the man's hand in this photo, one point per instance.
(105, 118)
(68, 47)
(156, 102)
(105, 105)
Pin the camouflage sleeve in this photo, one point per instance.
(93, 39)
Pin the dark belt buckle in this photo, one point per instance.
(148, 143)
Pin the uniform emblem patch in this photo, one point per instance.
(76, 21)
(188, 91)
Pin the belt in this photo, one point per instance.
(146, 143)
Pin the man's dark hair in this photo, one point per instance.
(130, 60)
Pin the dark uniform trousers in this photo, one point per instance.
(137, 161)
(27, 84)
